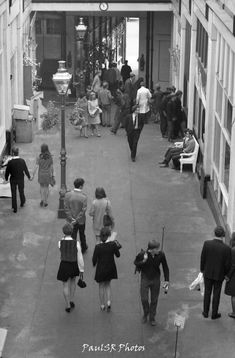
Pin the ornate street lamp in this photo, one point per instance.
(80, 30)
(61, 81)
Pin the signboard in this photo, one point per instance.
(179, 321)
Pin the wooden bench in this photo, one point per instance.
(190, 158)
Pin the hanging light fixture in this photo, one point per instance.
(80, 29)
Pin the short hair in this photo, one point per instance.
(153, 244)
(219, 231)
(44, 148)
(178, 93)
(100, 193)
(105, 232)
(105, 84)
(232, 241)
(92, 93)
(15, 151)
(78, 183)
(67, 229)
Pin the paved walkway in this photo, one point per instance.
(145, 198)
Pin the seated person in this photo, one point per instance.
(173, 153)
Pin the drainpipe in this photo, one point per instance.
(147, 49)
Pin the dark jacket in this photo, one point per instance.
(129, 125)
(151, 267)
(215, 259)
(16, 168)
(103, 259)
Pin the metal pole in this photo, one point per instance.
(176, 340)
(163, 230)
(63, 189)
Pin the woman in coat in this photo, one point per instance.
(71, 265)
(100, 206)
(44, 164)
(103, 259)
(230, 284)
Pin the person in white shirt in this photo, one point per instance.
(142, 100)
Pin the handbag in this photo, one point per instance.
(52, 181)
(119, 246)
(198, 284)
(81, 283)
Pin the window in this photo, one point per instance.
(217, 145)
(228, 116)
(219, 97)
(53, 26)
(226, 165)
(38, 26)
(202, 44)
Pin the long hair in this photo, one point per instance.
(45, 154)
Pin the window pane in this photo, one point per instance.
(228, 117)
(226, 165)
(38, 25)
(217, 145)
(53, 26)
(219, 95)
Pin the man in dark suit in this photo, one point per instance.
(134, 125)
(75, 203)
(215, 265)
(17, 168)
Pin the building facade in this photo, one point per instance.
(206, 74)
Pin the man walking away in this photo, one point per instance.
(149, 266)
(17, 168)
(215, 265)
(75, 203)
(143, 101)
(125, 71)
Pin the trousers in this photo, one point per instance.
(14, 184)
(133, 139)
(215, 287)
(81, 229)
(153, 287)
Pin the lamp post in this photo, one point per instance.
(80, 35)
(61, 81)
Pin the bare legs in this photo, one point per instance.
(44, 191)
(68, 292)
(94, 130)
(105, 295)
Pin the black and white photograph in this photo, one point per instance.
(117, 179)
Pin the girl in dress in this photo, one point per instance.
(94, 114)
(80, 115)
(106, 270)
(71, 265)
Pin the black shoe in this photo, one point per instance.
(133, 159)
(22, 204)
(41, 203)
(108, 308)
(68, 310)
(72, 304)
(216, 316)
(205, 315)
(14, 210)
(45, 204)
(84, 249)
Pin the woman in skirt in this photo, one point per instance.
(71, 265)
(103, 259)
